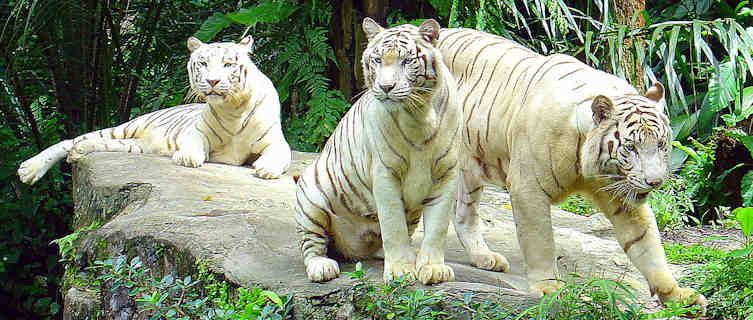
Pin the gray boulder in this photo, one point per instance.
(243, 228)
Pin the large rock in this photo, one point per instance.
(243, 227)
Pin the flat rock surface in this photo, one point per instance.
(243, 225)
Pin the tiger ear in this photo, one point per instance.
(248, 41)
(656, 92)
(429, 30)
(601, 108)
(371, 28)
(193, 43)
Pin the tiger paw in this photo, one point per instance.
(545, 287)
(489, 260)
(81, 149)
(393, 271)
(321, 269)
(435, 273)
(30, 171)
(188, 158)
(687, 297)
(269, 168)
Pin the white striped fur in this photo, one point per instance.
(239, 123)
(549, 126)
(391, 160)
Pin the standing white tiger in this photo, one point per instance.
(391, 160)
(549, 126)
(239, 123)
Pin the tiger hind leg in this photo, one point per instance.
(84, 147)
(468, 226)
(33, 169)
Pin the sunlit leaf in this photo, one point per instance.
(213, 25)
(746, 188)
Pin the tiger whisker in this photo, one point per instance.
(358, 95)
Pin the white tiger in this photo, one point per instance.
(390, 161)
(239, 123)
(549, 126)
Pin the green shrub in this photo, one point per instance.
(672, 202)
(397, 299)
(172, 297)
(579, 205)
(727, 282)
(680, 254)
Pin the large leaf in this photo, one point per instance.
(263, 12)
(745, 217)
(746, 188)
(213, 25)
(676, 158)
(722, 88)
(722, 91)
(683, 125)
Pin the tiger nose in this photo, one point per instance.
(213, 82)
(387, 87)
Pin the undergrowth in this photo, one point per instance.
(204, 297)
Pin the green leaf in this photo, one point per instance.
(272, 296)
(722, 88)
(683, 125)
(746, 188)
(745, 217)
(676, 159)
(743, 252)
(213, 25)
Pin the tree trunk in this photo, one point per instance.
(377, 10)
(624, 12)
(341, 31)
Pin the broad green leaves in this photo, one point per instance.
(266, 11)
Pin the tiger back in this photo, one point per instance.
(390, 161)
(239, 122)
(549, 126)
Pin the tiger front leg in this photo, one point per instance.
(399, 257)
(533, 225)
(312, 224)
(275, 158)
(192, 148)
(638, 235)
(468, 227)
(430, 264)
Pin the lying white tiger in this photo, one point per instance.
(239, 123)
(549, 126)
(391, 160)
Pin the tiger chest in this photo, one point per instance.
(235, 151)
(417, 184)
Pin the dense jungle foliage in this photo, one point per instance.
(69, 67)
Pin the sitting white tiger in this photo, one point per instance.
(391, 160)
(239, 123)
(549, 126)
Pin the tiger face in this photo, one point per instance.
(396, 64)
(218, 71)
(636, 145)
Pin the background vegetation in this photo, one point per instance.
(68, 67)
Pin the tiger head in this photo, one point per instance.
(632, 141)
(399, 63)
(218, 71)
